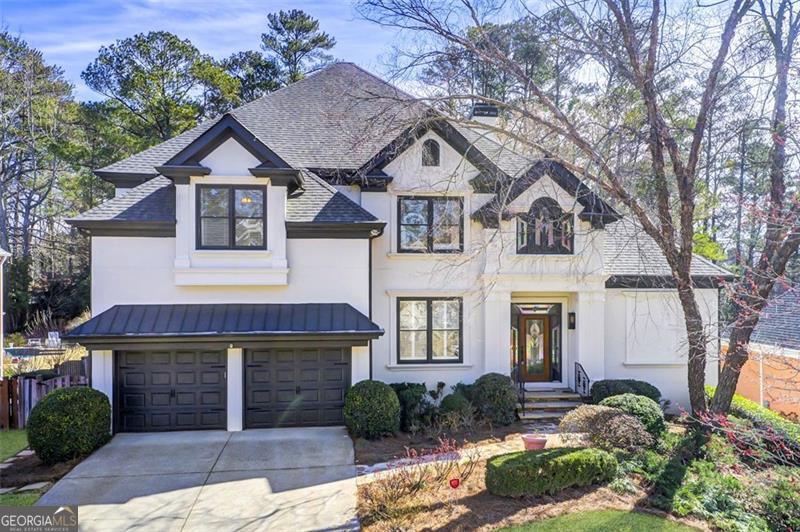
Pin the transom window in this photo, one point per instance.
(430, 153)
(430, 225)
(429, 330)
(231, 217)
(545, 230)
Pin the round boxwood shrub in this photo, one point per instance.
(548, 471)
(644, 408)
(371, 410)
(495, 398)
(587, 418)
(68, 423)
(456, 403)
(606, 388)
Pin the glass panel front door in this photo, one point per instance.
(535, 347)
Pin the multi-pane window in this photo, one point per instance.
(230, 217)
(545, 230)
(429, 330)
(430, 225)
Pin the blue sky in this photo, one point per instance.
(69, 32)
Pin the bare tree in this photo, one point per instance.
(657, 76)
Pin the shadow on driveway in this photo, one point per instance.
(277, 479)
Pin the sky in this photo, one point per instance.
(70, 32)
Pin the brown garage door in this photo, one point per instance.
(170, 390)
(295, 387)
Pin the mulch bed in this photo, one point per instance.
(29, 469)
(385, 449)
(471, 507)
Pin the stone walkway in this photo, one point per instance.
(8, 462)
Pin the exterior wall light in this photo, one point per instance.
(571, 320)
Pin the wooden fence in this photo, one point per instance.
(18, 396)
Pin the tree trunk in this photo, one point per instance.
(698, 343)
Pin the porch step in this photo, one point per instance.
(537, 415)
(566, 395)
(549, 405)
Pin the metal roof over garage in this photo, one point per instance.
(223, 322)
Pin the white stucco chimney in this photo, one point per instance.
(488, 114)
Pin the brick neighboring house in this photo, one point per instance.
(772, 375)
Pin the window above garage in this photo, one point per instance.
(231, 217)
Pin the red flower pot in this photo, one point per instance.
(534, 442)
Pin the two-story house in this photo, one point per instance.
(249, 270)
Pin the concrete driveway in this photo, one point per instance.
(271, 479)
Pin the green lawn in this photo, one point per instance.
(26, 498)
(12, 442)
(602, 521)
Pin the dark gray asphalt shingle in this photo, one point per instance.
(780, 322)
(321, 121)
(131, 321)
(630, 251)
(154, 200)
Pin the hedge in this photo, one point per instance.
(760, 416)
(415, 411)
(69, 423)
(371, 410)
(610, 387)
(548, 471)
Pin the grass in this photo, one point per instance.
(12, 442)
(602, 521)
(26, 498)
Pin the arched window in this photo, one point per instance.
(430, 153)
(545, 229)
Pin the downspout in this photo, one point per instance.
(373, 235)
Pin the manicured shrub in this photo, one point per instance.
(623, 432)
(547, 471)
(782, 506)
(467, 390)
(456, 402)
(607, 388)
(68, 423)
(371, 410)
(644, 408)
(586, 418)
(416, 411)
(495, 398)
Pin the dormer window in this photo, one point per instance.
(430, 153)
(545, 230)
(231, 217)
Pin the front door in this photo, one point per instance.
(534, 347)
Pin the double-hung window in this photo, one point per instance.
(429, 330)
(430, 224)
(231, 217)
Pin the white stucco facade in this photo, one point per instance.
(618, 333)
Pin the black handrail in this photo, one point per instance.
(582, 382)
(517, 377)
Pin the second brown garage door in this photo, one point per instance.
(295, 387)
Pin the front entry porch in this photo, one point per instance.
(544, 355)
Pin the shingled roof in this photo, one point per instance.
(779, 325)
(630, 254)
(317, 122)
(151, 207)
